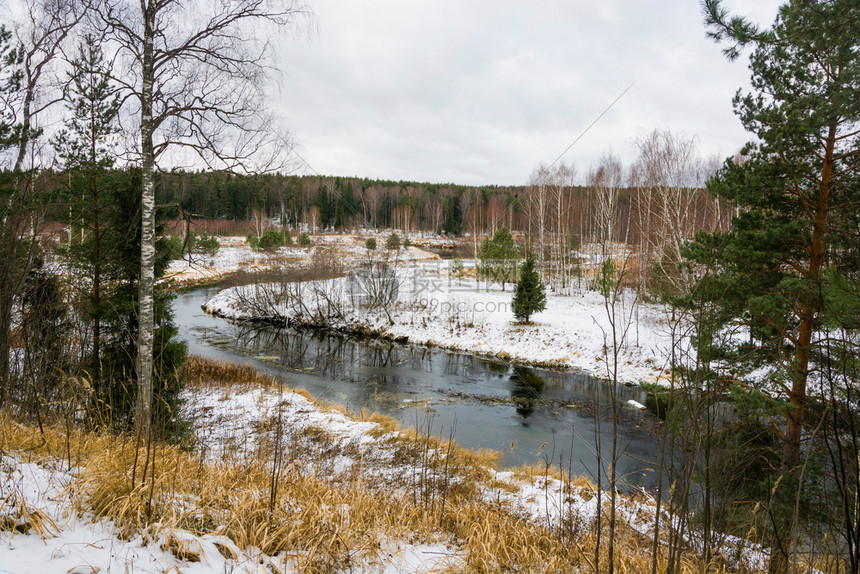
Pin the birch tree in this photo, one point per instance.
(41, 36)
(193, 74)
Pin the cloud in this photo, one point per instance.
(481, 92)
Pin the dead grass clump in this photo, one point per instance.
(202, 372)
(385, 424)
(18, 516)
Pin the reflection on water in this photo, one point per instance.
(526, 392)
(491, 404)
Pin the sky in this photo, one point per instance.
(480, 92)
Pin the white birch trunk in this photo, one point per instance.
(146, 311)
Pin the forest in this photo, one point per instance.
(127, 128)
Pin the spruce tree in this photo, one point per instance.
(794, 181)
(530, 292)
(121, 319)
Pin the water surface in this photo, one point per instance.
(528, 413)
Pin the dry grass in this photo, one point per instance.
(208, 373)
(203, 373)
(284, 500)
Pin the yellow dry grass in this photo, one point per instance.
(290, 506)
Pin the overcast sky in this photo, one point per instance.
(481, 91)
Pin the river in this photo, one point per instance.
(487, 404)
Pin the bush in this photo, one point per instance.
(172, 246)
(288, 237)
(253, 241)
(499, 258)
(304, 239)
(606, 277)
(393, 241)
(370, 243)
(457, 268)
(406, 243)
(271, 240)
(205, 244)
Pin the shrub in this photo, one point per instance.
(606, 277)
(288, 237)
(253, 241)
(393, 241)
(499, 257)
(271, 240)
(304, 239)
(172, 246)
(457, 268)
(370, 243)
(207, 244)
(406, 243)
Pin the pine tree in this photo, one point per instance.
(103, 204)
(768, 271)
(121, 318)
(84, 146)
(530, 292)
(499, 257)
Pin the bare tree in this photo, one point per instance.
(536, 208)
(669, 177)
(193, 73)
(606, 181)
(41, 35)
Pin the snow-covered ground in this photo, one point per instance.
(229, 424)
(432, 307)
(57, 539)
(236, 256)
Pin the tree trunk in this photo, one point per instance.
(146, 309)
(800, 369)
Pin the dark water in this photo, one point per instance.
(488, 404)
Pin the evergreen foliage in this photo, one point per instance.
(498, 257)
(304, 239)
(530, 292)
(392, 241)
(204, 244)
(457, 268)
(607, 276)
(271, 241)
(45, 327)
(11, 74)
(103, 216)
(370, 243)
(86, 148)
(116, 403)
(796, 187)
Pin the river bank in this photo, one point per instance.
(277, 482)
(430, 307)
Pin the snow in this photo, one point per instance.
(433, 308)
(230, 422)
(80, 545)
(235, 255)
